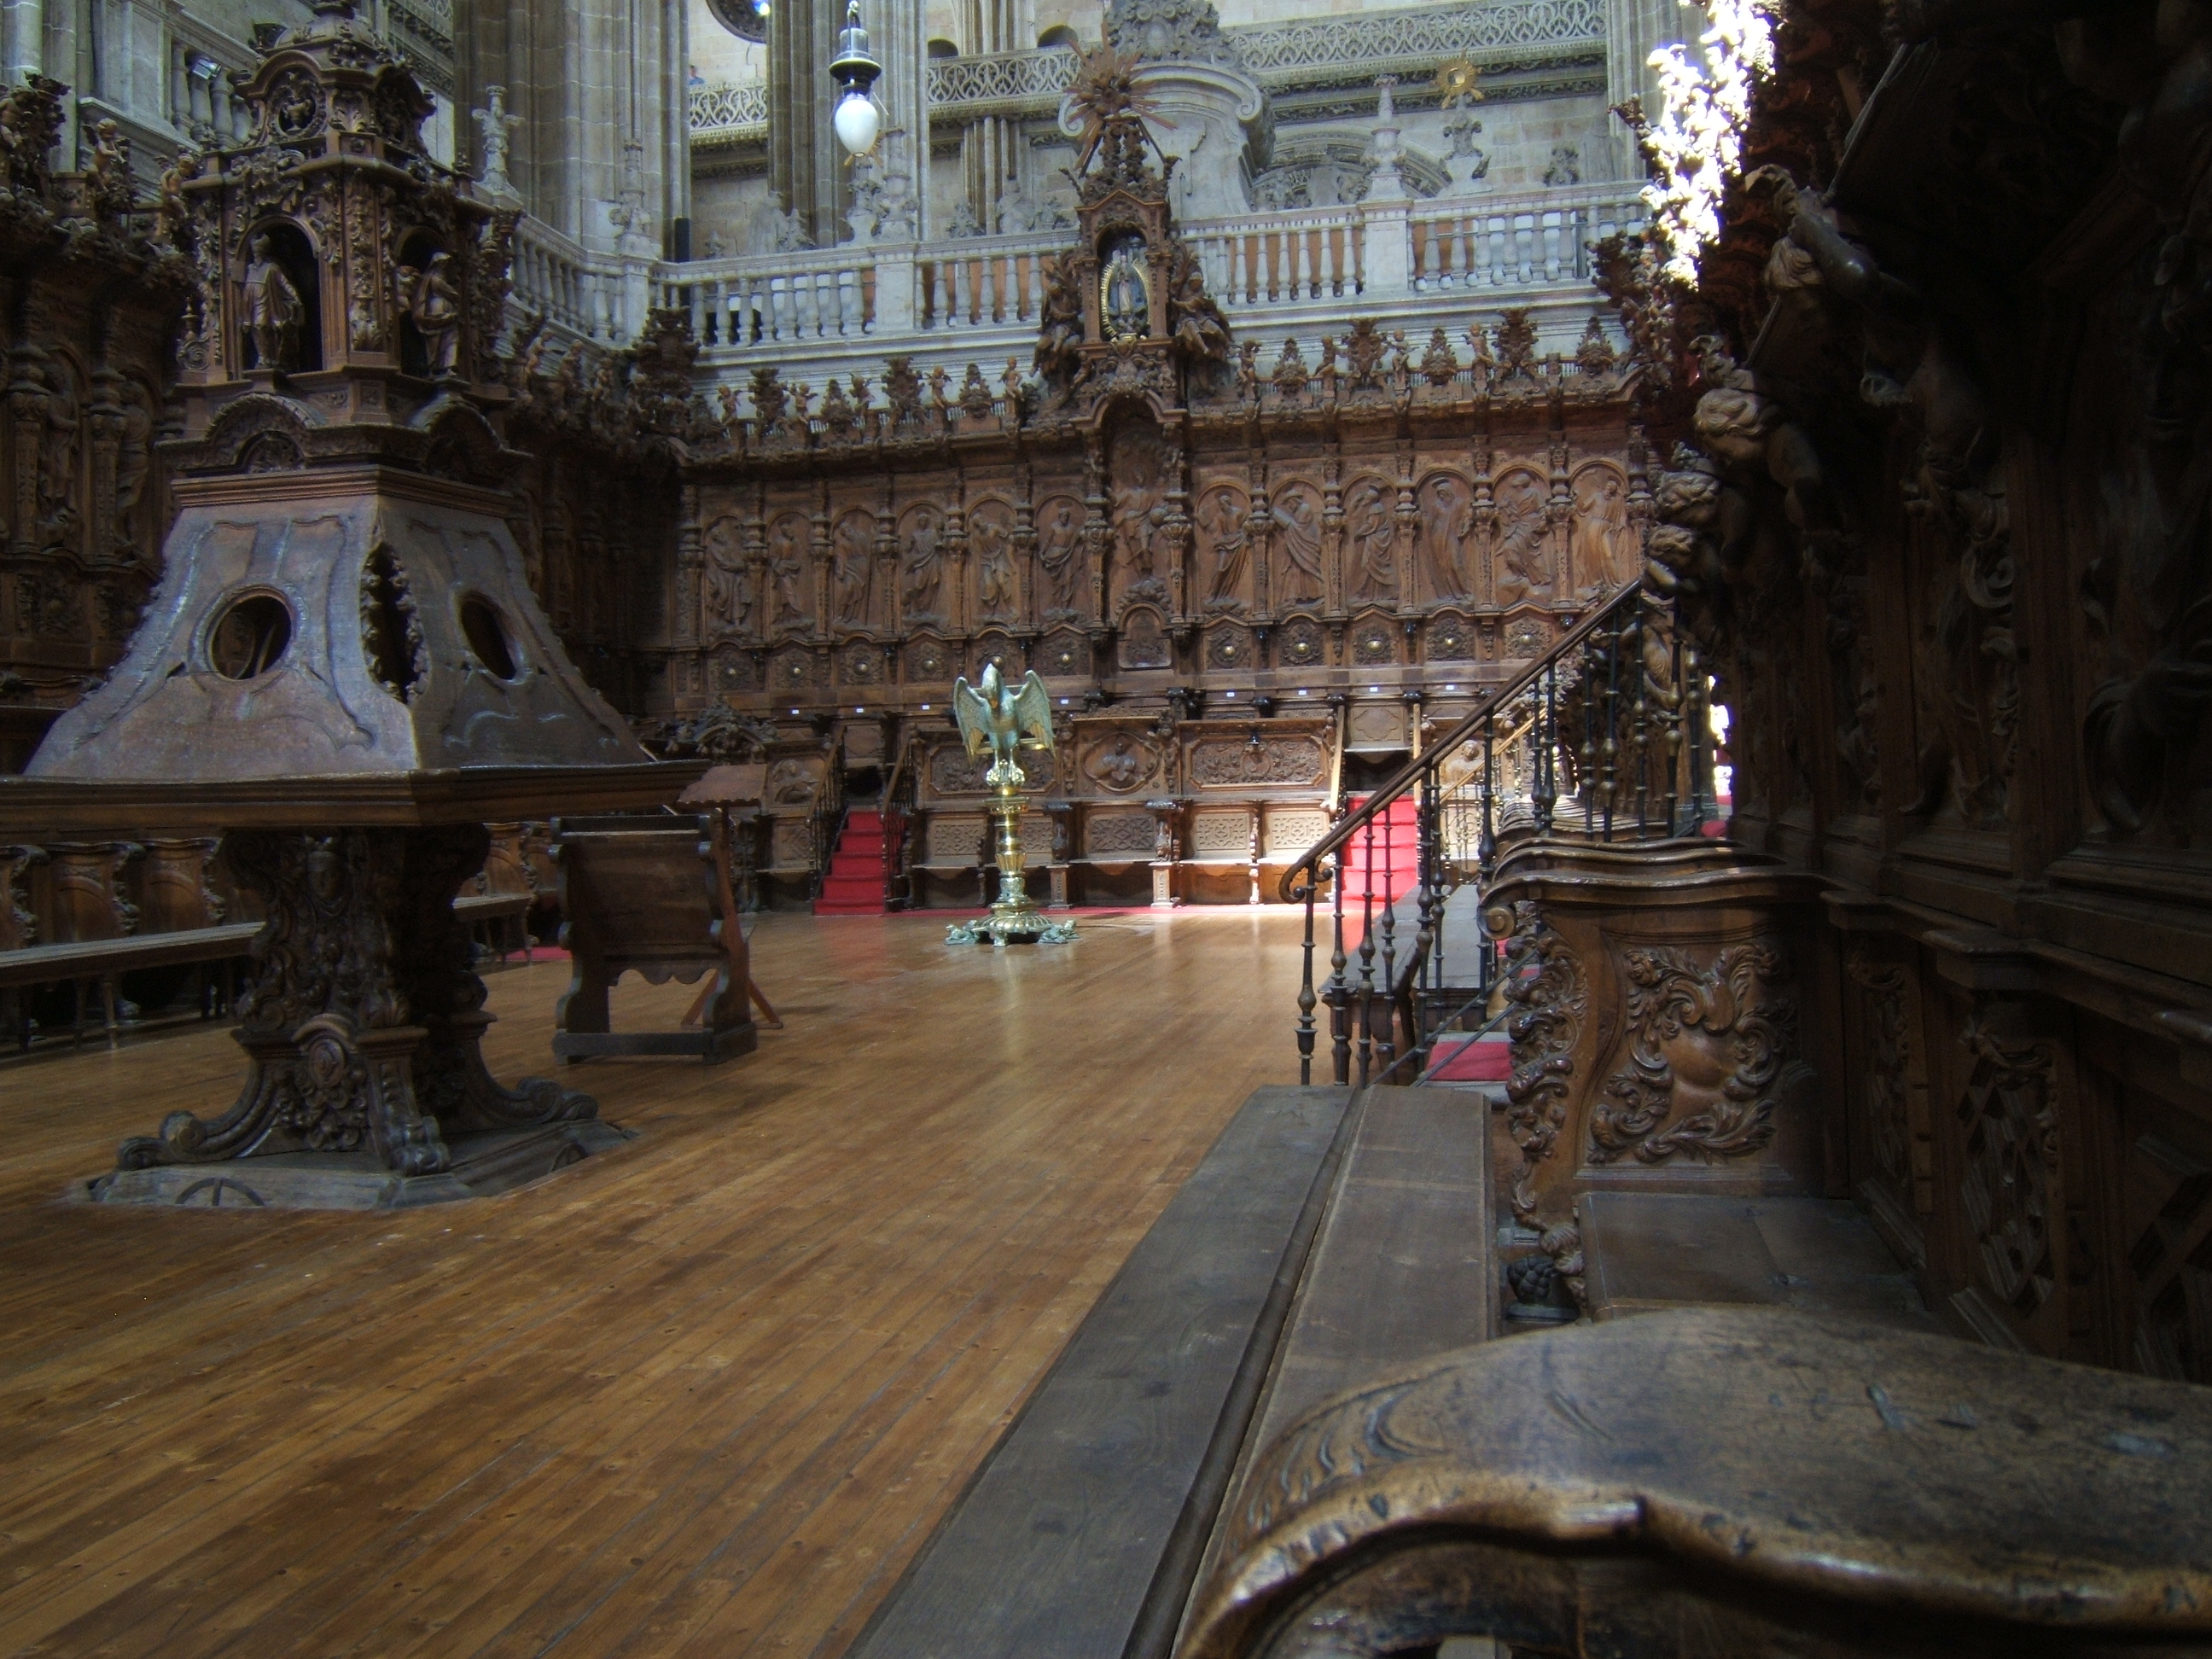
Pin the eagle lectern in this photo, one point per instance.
(344, 666)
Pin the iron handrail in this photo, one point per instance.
(1293, 890)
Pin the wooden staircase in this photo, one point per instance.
(858, 883)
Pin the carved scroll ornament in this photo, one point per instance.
(1717, 1040)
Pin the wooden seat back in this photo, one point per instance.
(1726, 1482)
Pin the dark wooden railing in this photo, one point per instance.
(1612, 719)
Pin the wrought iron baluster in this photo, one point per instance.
(1366, 993)
(1306, 998)
(1591, 753)
(1387, 1044)
(1675, 734)
(1545, 793)
(1612, 760)
(1339, 1011)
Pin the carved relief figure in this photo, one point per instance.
(274, 311)
(1298, 532)
(1600, 552)
(990, 532)
(1121, 765)
(920, 569)
(1524, 563)
(852, 573)
(1059, 535)
(1139, 512)
(133, 455)
(1221, 515)
(58, 451)
(1373, 537)
(1447, 520)
(787, 569)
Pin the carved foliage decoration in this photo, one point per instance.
(2009, 1190)
(1550, 998)
(1222, 764)
(1129, 833)
(1900, 1153)
(1712, 1052)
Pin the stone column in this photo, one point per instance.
(1634, 29)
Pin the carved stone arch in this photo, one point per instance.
(1603, 550)
(1143, 643)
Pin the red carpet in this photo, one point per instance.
(854, 885)
(1477, 1062)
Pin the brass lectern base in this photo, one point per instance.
(1002, 927)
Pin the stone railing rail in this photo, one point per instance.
(1401, 260)
(1353, 48)
(593, 296)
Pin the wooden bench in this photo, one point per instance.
(101, 962)
(650, 893)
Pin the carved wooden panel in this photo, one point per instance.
(954, 839)
(1225, 763)
(1218, 834)
(1288, 831)
(1125, 835)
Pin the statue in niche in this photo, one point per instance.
(1221, 518)
(1298, 525)
(1060, 533)
(1447, 520)
(1523, 564)
(1121, 767)
(1600, 554)
(725, 587)
(994, 561)
(428, 297)
(274, 311)
(1124, 301)
(787, 565)
(920, 571)
(133, 453)
(1374, 539)
(852, 572)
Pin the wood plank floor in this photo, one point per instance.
(706, 1394)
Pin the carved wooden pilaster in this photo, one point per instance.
(1176, 531)
(1408, 518)
(1097, 533)
(104, 420)
(1332, 525)
(27, 414)
(958, 610)
(818, 559)
(756, 563)
(1028, 607)
(690, 559)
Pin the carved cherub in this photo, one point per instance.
(107, 179)
(172, 213)
(939, 377)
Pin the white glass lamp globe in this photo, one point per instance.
(857, 120)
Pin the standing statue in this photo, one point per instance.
(427, 296)
(1006, 720)
(273, 308)
(494, 123)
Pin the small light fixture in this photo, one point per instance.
(1063, 703)
(1303, 692)
(795, 711)
(924, 708)
(1232, 696)
(1375, 691)
(854, 69)
(1451, 688)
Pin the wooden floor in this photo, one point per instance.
(703, 1394)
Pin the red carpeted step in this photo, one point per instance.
(854, 885)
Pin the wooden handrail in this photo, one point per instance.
(1292, 889)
